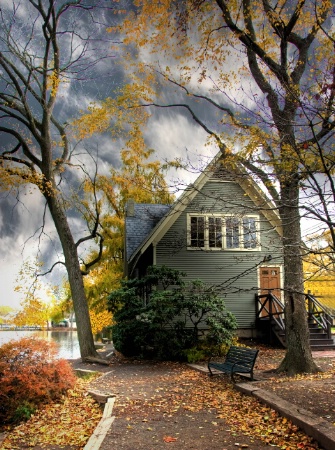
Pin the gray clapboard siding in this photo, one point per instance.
(235, 270)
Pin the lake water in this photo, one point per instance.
(67, 340)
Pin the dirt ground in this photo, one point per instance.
(149, 417)
(160, 405)
(316, 394)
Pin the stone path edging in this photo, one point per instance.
(316, 427)
(103, 426)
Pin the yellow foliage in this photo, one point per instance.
(323, 287)
(319, 269)
(53, 82)
(120, 115)
(199, 49)
(16, 176)
(34, 312)
(100, 320)
(96, 120)
(39, 302)
(140, 178)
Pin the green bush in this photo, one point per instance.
(194, 354)
(30, 374)
(205, 349)
(130, 338)
(161, 316)
(23, 412)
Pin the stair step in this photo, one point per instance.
(322, 347)
(314, 326)
(317, 341)
(315, 329)
(321, 342)
(318, 335)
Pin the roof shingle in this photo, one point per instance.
(143, 218)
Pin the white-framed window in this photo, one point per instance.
(217, 232)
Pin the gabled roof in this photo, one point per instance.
(171, 213)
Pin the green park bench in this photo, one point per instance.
(238, 360)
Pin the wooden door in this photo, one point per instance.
(269, 282)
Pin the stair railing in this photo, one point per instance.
(270, 307)
(319, 313)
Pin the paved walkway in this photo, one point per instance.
(141, 387)
(157, 407)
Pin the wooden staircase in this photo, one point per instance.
(271, 322)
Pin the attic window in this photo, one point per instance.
(210, 232)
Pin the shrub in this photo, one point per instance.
(31, 374)
(194, 354)
(23, 412)
(205, 349)
(165, 321)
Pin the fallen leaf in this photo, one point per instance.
(169, 439)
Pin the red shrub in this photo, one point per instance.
(30, 373)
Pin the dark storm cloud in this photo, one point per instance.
(171, 132)
(25, 225)
(11, 222)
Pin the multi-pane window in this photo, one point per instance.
(249, 232)
(223, 232)
(232, 232)
(215, 232)
(197, 231)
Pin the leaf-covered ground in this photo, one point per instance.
(161, 405)
(315, 393)
(172, 404)
(67, 424)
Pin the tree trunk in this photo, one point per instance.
(298, 358)
(84, 330)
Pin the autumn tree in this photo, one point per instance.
(33, 312)
(5, 313)
(40, 303)
(141, 178)
(44, 46)
(318, 185)
(319, 268)
(258, 77)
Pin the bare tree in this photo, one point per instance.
(44, 45)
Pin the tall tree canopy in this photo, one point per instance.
(259, 77)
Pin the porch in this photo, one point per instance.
(270, 321)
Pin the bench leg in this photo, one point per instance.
(234, 381)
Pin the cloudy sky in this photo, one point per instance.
(21, 213)
(171, 133)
